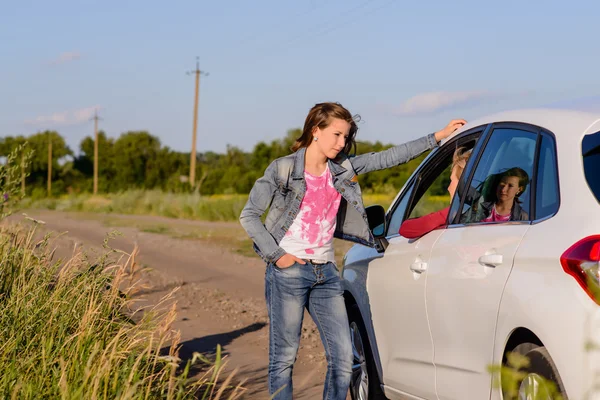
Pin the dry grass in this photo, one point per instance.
(67, 331)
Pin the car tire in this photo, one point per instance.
(540, 366)
(365, 384)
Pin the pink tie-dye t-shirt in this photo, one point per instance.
(311, 234)
(495, 217)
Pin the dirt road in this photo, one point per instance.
(221, 295)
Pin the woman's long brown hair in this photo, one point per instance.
(320, 116)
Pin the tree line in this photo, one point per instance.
(138, 160)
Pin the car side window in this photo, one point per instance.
(431, 193)
(434, 197)
(499, 189)
(547, 197)
(398, 214)
(429, 190)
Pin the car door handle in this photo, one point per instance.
(418, 266)
(490, 260)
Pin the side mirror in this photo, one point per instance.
(376, 218)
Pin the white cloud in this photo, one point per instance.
(66, 57)
(427, 103)
(64, 118)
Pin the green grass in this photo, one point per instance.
(181, 205)
(428, 204)
(66, 331)
(157, 229)
(139, 202)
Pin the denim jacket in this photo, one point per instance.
(282, 188)
(516, 214)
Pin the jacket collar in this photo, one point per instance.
(298, 170)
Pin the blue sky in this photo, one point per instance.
(406, 67)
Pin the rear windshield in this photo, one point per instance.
(590, 148)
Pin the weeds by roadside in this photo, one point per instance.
(512, 378)
(66, 330)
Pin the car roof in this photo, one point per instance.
(562, 122)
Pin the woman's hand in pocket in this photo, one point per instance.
(288, 260)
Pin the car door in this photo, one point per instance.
(470, 264)
(396, 284)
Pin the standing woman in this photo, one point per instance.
(313, 196)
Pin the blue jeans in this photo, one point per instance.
(319, 289)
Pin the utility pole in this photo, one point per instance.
(193, 153)
(49, 164)
(96, 118)
(23, 173)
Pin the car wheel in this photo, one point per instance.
(541, 370)
(364, 384)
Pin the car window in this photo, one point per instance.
(547, 193)
(433, 196)
(591, 162)
(499, 189)
(398, 214)
(432, 193)
(429, 190)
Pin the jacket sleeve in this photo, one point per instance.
(417, 227)
(259, 200)
(394, 156)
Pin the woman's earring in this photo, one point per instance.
(315, 138)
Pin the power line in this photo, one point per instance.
(313, 33)
(281, 23)
(366, 14)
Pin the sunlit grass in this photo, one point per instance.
(174, 205)
(66, 330)
(153, 202)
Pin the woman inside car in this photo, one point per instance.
(503, 204)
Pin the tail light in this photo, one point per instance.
(582, 262)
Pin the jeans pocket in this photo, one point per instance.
(285, 268)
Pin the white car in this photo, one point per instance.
(428, 316)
